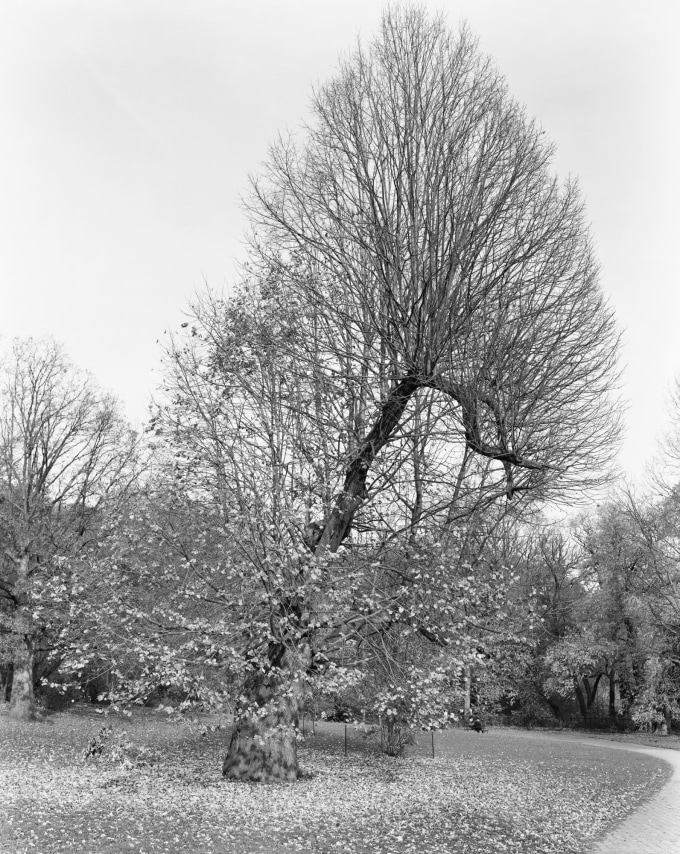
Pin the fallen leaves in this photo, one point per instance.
(501, 792)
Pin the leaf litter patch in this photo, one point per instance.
(491, 794)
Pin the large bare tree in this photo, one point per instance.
(446, 293)
(64, 452)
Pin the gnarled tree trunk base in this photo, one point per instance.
(263, 746)
(22, 701)
(262, 759)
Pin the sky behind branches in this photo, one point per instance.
(130, 127)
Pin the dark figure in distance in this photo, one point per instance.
(476, 724)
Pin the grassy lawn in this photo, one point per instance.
(503, 791)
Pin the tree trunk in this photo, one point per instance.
(339, 523)
(5, 682)
(263, 746)
(591, 689)
(581, 700)
(612, 695)
(467, 685)
(668, 722)
(22, 701)
(394, 744)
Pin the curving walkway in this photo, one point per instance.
(654, 828)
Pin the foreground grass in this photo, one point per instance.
(503, 791)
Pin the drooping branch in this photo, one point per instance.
(470, 401)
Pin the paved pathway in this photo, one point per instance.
(654, 828)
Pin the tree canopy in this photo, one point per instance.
(421, 338)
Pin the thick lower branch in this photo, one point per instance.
(339, 523)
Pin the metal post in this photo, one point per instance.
(432, 743)
(345, 739)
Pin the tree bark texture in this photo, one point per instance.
(22, 701)
(263, 745)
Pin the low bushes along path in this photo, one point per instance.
(160, 792)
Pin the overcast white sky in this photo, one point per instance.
(129, 128)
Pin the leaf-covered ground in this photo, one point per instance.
(502, 791)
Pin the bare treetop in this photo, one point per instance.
(418, 209)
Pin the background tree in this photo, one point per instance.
(614, 567)
(64, 453)
(654, 525)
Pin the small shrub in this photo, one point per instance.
(116, 748)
